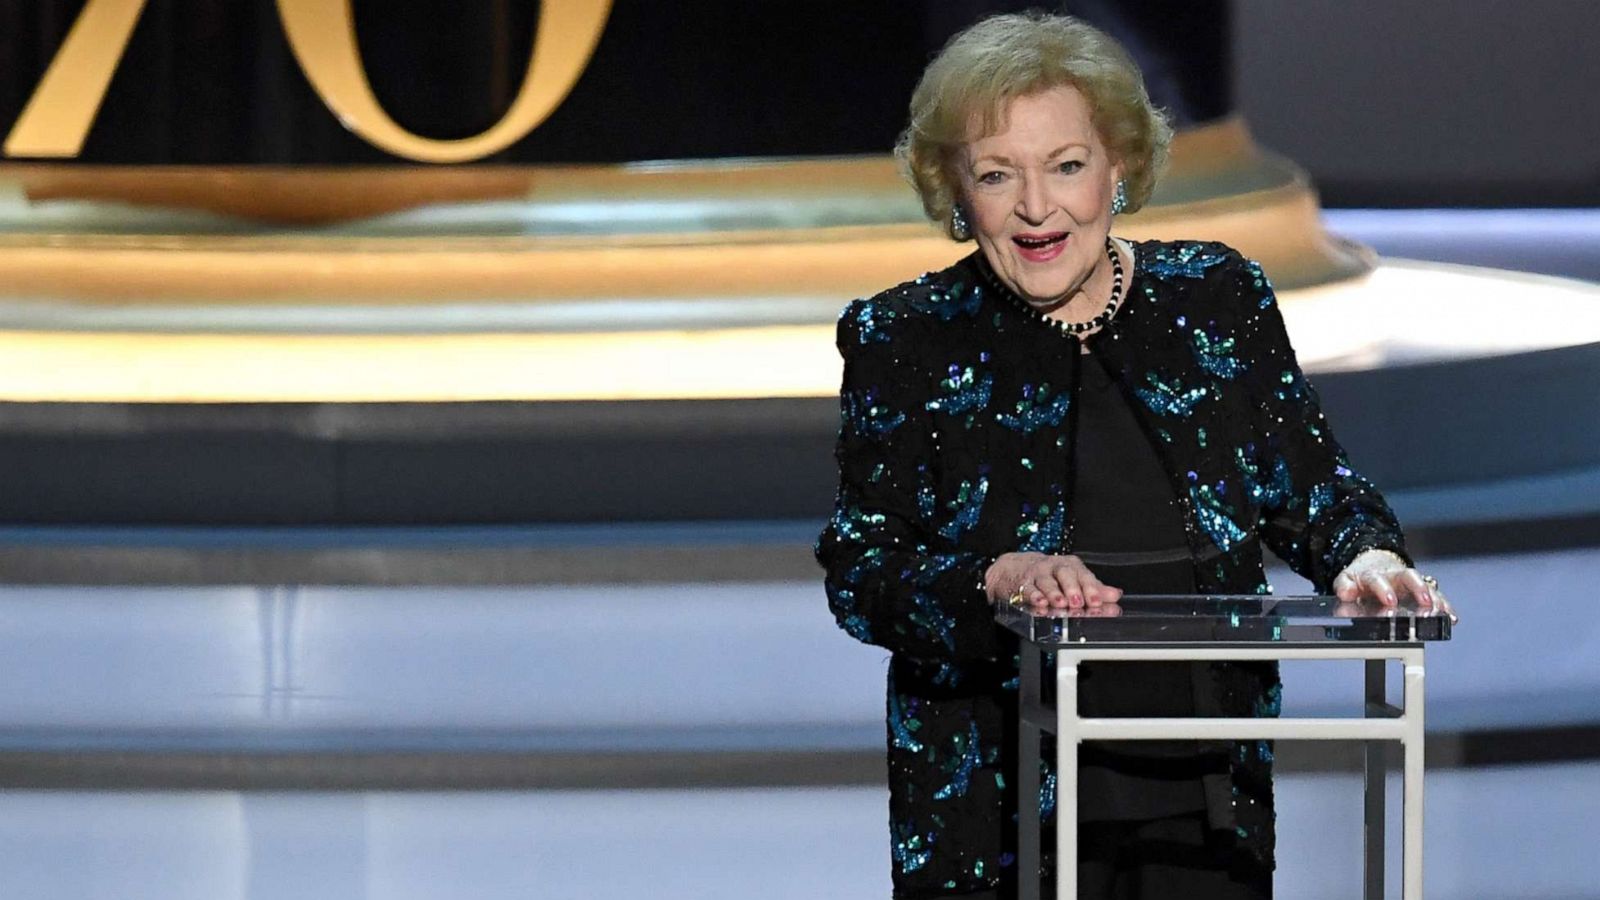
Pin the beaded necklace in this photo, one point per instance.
(1074, 328)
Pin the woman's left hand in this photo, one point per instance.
(1383, 577)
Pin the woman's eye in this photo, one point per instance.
(1070, 166)
(991, 177)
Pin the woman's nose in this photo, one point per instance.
(1034, 205)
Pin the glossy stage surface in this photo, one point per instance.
(539, 669)
(777, 843)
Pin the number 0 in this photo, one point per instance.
(323, 37)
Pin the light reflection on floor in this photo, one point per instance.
(1492, 833)
(309, 667)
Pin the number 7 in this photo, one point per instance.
(58, 115)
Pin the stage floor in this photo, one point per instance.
(1521, 833)
(242, 742)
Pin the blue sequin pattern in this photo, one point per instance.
(1271, 488)
(1216, 517)
(1184, 260)
(1043, 528)
(868, 416)
(1037, 409)
(968, 505)
(963, 393)
(1168, 397)
(869, 320)
(1216, 355)
(955, 436)
(902, 723)
(964, 759)
(946, 305)
(911, 851)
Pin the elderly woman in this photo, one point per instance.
(1061, 417)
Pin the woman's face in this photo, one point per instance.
(1038, 195)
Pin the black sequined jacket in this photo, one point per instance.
(955, 447)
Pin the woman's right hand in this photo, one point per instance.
(1046, 581)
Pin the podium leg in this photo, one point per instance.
(1375, 778)
(1028, 700)
(1066, 775)
(1411, 869)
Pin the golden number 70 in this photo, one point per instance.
(322, 35)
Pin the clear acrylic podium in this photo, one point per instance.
(1203, 628)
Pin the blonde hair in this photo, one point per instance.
(981, 70)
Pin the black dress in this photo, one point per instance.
(962, 410)
(1142, 805)
(1130, 534)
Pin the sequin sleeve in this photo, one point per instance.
(891, 579)
(1317, 513)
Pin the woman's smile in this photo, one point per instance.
(1040, 247)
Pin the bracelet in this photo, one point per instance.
(1385, 551)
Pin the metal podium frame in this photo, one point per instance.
(1382, 722)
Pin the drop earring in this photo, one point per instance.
(1119, 200)
(959, 229)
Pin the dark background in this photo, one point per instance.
(1392, 103)
(207, 82)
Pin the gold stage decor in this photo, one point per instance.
(431, 283)
(322, 35)
(630, 282)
